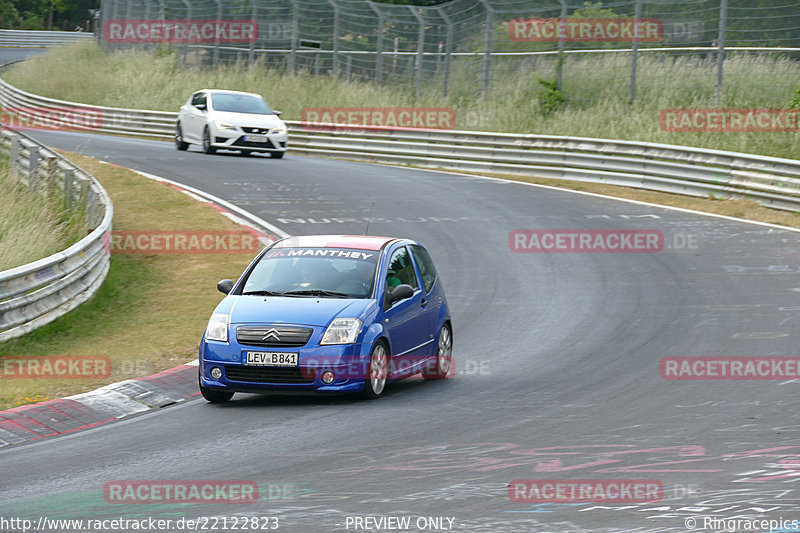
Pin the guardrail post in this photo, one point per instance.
(13, 156)
(69, 178)
(33, 167)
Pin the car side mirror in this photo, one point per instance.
(225, 286)
(276, 112)
(401, 292)
(201, 107)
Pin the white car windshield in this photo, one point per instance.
(331, 272)
(240, 103)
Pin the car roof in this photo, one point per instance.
(224, 91)
(356, 242)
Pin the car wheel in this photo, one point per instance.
(440, 368)
(276, 155)
(377, 371)
(207, 148)
(180, 144)
(215, 396)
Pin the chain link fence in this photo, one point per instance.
(589, 50)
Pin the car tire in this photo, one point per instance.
(207, 148)
(377, 371)
(441, 366)
(214, 396)
(180, 144)
(276, 155)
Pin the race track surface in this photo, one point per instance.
(557, 369)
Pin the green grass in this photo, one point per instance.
(595, 90)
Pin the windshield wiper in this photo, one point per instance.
(319, 292)
(263, 293)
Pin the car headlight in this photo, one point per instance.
(279, 130)
(342, 331)
(217, 329)
(224, 125)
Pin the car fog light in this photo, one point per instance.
(327, 377)
(216, 373)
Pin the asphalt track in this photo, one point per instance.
(557, 357)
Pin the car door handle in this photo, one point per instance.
(423, 303)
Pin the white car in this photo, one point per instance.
(230, 120)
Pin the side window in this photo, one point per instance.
(426, 268)
(199, 99)
(401, 270)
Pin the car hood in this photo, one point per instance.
(286, 310)
(248, 119)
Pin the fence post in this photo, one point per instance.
(292, 63)
(723, 16)
(216, 37)
(420, 49)
(379, 44)
(253, 15)
(487, 48)
(448, 48)
(335, 6)
(561, 45)
(637, 14)
(185, 49)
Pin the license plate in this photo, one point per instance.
(256, 138)
(271, 358)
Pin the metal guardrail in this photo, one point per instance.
(701, 172)
(35, 294)
(41, 39)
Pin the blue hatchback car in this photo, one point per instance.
(328, 313)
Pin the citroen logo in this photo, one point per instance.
(274, 333)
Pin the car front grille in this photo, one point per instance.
(262, 131)
(273, 336)
(249, 144)
(267, 374)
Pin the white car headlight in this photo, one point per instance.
(342, 331)
(217, 329)
(279, 130)
(224, 125)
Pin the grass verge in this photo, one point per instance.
(595, 92)
(151, 310)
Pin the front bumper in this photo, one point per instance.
(238, 140)
(345, 361)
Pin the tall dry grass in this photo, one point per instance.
(31, 225)
(595, 89)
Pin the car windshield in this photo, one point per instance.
(314, 272)
(240, 103)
